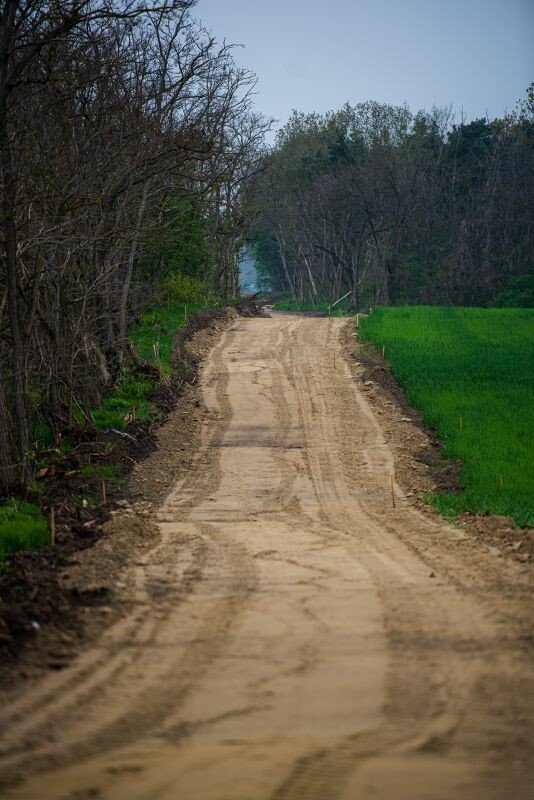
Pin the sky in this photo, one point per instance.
(477, 55)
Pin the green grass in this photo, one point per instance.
(100, 472)
(129, 394)
(22, 527)
(471, 373)
(153, 337)
(341, 310)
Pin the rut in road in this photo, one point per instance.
(284, 640)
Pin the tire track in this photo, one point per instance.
(80, 706)
(289, 643)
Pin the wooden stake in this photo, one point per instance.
(52, 526)
(104, 498)
(383, 351)
(392, 490)
(461, 424)
(501, 481)
(357, 320)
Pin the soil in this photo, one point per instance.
(277, 614)
(56, 599)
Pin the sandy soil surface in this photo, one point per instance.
(298, 626)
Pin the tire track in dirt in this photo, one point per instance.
(288, 641)
(75, 704)
(444, 670)
(328, 769)
(95, 668)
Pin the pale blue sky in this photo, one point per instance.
(315, 56)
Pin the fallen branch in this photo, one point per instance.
(122, 434)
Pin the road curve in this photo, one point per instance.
(284, 640)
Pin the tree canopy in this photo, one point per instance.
(397, 207)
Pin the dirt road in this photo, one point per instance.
(292, 635)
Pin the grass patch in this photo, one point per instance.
(128, 399)
(152, 338)
(100, 472)
(22, 527)
(470, 371)
(341, 310)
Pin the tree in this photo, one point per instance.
(112, 114)
(394, 207)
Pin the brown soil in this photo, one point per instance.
(56, 599)
(297, 624)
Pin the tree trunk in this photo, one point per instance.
(123, 309)
(8, 467)
(281, 250)
(18, 360)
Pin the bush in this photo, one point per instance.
(184, 289)
(519, 293)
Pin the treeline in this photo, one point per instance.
(126, 133)
(399, 208)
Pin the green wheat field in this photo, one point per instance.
(470, 372)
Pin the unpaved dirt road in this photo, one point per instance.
(287, 638)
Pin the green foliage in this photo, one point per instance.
(100, 472)
(267, 261)
(181, 243)
(153, 337)
(153, 340)
(519, 293)
(131, 395)
(43, 438)
(22, 527)
(471, 373)
(184, 289)
(400, 208)
(470, 141)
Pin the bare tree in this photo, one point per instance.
(108, 112)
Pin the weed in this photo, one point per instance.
(22, 527)
(100, 472)
(153, 337)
